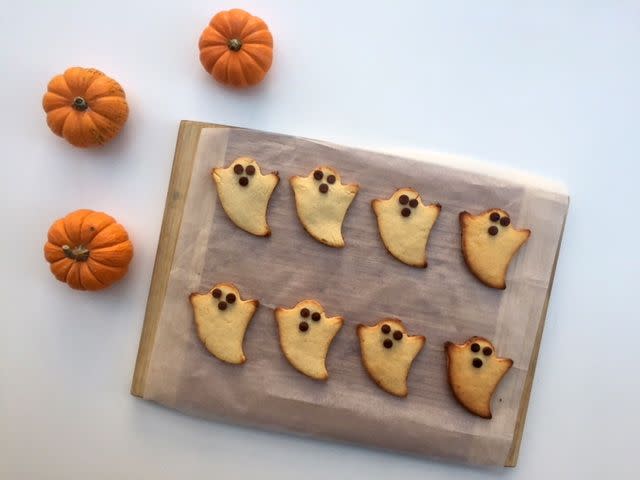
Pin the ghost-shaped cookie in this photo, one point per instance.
(404, 223)
(474, 371)
(306, 334)
(322, 201)
(489, 242)
(244, 193)
(388, 353)
(222, 318)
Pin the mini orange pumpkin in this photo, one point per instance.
(88, 250)
(85, 107)
(236, 48)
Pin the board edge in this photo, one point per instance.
(183, 161)
(514, 451)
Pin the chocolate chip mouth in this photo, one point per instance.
(477, 363)
(222, 305)
(303, 326)
(324, 188)
(387, 343)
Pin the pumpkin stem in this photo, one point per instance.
(80, 104)
(79, 253)
(234, 44)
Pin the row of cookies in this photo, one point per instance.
(306, 333)
(489, 240)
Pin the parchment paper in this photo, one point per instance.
(363, 283)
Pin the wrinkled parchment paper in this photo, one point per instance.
(363, 283)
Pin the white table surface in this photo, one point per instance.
(544, 87)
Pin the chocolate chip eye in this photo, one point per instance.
(475, 347)
(216, 293)
(477, 362)
(238, 169)
(250, 170)
(505, 221)
(324, 188)
(494, 217)
(387, 343)
(315, 316)
(222, 305)
(244, 181)
(487, 351)
(304, 313)
(405, 212)
(413, 203)
(493, 230)
(403, 199)
(397, 335)
(303, 326)
(386, 328)
(318, 175)
(231, 298)
(331, 179)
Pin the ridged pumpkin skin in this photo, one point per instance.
(236, 48)
(85, 107)
(88, 250)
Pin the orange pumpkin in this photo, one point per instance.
(88, 250)
(85, 107)
(236, 48)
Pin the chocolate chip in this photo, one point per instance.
(237, 168)
(386, 328)
(475, 347)
(303, 326)
(216, 293)
(413, 203)
(304, 313)
(315, 316)
(324, 188)
(405, 212)
(397, 335)
(505, 221)
(244, 181)
(477, 362)
(231, 298)
(222, 305)
(494, 217)
(387, 343)
(318, 174)
(493, 230)
(331, 179)
(250, 170)
(487, 351)
(403, 199)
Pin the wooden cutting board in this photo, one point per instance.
(171, 364)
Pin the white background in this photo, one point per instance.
(549, 87)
